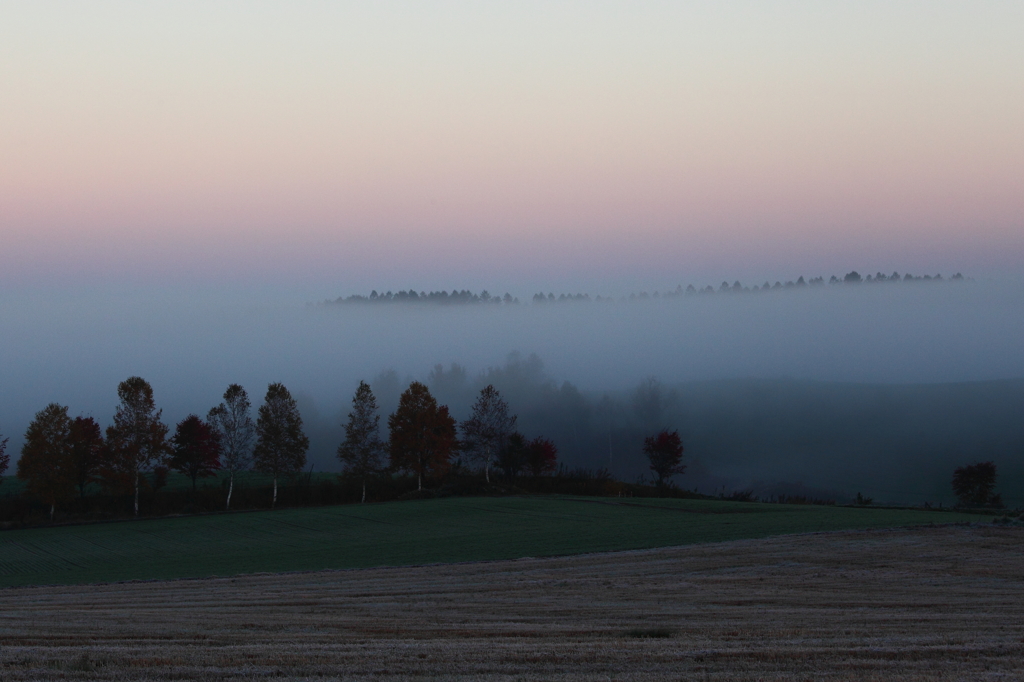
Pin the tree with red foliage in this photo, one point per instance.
(196, 449)
(665, 452)
(45, 463)
(86, 451)
(541, 456)
(422, 434)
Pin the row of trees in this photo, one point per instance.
(62, 455)
(456, 297)
(424, 438)
(465, 296)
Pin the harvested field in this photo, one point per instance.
(937, 603)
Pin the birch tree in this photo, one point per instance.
(232, 420)
(488, 428)
(361, 451)
(280, 443)
(137, 440)
(45, 464)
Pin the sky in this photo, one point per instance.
(329, 148)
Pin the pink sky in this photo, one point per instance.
(465, 144)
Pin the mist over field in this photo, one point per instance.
(830, 391)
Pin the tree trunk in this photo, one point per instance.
(419, 478)
(52, 505)
(136, 492)
(487, 470)
(274, 501)
(364, 492)
(231, 486)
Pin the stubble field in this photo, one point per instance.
(935, 603)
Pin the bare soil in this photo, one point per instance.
(940, 603)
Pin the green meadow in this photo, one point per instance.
(407, 533)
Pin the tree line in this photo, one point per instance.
(466, 297)
(63, 455)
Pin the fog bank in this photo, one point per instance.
(74, 350)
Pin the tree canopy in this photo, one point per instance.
(488, 428)
(362, 450)
(5, 459)
(233, 423)
(87, 451)
(422, 434)
(974, 485)
(664, 450)
(45, 464)
(196, 449)
(281, 444)
(137, 440)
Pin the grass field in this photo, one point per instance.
(406, 533)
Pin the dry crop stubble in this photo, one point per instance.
(911, 604)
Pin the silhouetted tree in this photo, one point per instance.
(362, 450)
(5, 459)
(487, 429)
(651, 403)
(195, 449)
(45, 464)
(233, 422)
(541, 456)
(974, 485)
(448, 385)
(137, 440)
(280, 442)
(513, 455)
(422, 434)
(665, 452)
(86, 450)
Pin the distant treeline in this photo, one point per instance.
(466, 297)
(456, 297)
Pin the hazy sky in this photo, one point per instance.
(523, 145)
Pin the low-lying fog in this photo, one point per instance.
(832, 390)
